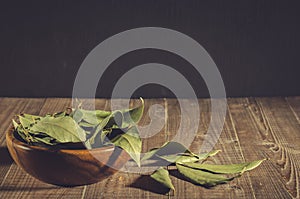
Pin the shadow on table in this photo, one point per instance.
(145, 182)
(178, 175)
(5, 157)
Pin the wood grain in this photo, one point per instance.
(254, 128)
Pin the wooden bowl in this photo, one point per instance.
(66, 167)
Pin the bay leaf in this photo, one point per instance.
(167, 148)
(200, 177)
(131, 143)
(162, 176)
(63, 129)
(226, 169)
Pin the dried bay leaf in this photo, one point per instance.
(162, 176)
(226, 169)
(168, 148)
(63, 129)
(131, 143)
(203, 178)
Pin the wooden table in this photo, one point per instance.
(255, 128)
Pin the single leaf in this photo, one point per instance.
(131, 143)
(226, 169)
(162, 176)
(63, 129)
(203, 178)
(168, 148)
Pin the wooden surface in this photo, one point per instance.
(255, 128)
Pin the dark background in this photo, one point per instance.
(254, 43)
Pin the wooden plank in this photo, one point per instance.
(259, 140)
(285, 129)
(130, 185)
(19, 184)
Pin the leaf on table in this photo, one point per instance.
(130, 142)
(226, 169)
(63, 129)
(200, 177)
(166, 149)
(162, 176)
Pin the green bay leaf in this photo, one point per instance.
(226, 169)
(162, 176)
(63, 129)
(167, 149)
(200, 177)
(131, 143)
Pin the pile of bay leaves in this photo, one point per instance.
(98, 128)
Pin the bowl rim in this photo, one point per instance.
(23, 145)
